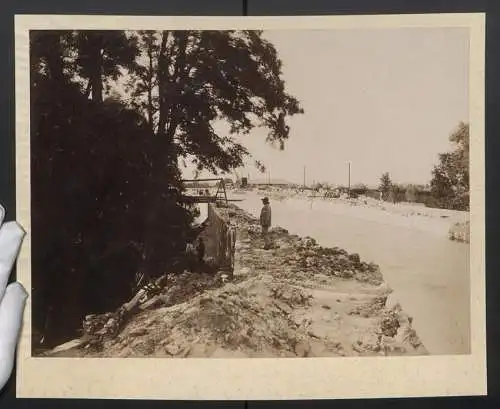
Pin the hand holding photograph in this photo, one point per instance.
(270, 196)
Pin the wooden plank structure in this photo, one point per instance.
(221, 193)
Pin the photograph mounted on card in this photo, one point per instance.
(274, 200)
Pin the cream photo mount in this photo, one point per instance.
(256, 378)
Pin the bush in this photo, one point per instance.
(95, 200)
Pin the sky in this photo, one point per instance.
(385, 100)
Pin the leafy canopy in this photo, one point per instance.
(450, 177)
(186, 82)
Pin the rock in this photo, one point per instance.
(389, 323)
(302, 349)
(371, 308)
(354, 258)
(172, 350)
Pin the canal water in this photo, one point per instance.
(428, 272)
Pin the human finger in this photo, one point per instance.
(11, 316)
(11, 236)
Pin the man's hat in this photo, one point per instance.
(265, 200)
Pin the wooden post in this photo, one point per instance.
(224, 188)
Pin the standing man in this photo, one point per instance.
(265, 222)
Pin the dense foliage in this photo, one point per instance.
(450, 177)
(385, 186)
(112, 114)
(449, 186)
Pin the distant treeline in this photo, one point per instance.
(398, 193)
(448, 187)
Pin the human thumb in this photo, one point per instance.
(11, 316)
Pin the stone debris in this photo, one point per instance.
(460, 232)
(168, 290)
(370, 309)
(298, 299)
(252, 317)
(305, 255)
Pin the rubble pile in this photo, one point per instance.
(181, 288)
(398, 336)
(248, 319)
(168, 290)
(303, 255)
(393, 334)
(296, 300)
(370, 309)
(100, 326)
(315, 259)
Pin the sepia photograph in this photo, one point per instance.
(249, 192)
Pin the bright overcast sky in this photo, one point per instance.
(386, 100)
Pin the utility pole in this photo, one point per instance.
(304, 176)
(349, 181)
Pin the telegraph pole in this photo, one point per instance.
(304, 176)
(349, 181)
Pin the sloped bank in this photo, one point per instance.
(298, 299)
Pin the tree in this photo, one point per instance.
(100, 57)
(90, 177)
(450, 177)
(411, 193)
(208, 77)
(204, 77)
(385, 185)
(396, 193)
(142, 84)
(105, 165)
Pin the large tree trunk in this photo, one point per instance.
(150, 83)
(162, 80)
(52, 48)
(163, 157)
(95, 62)
(176, 85)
